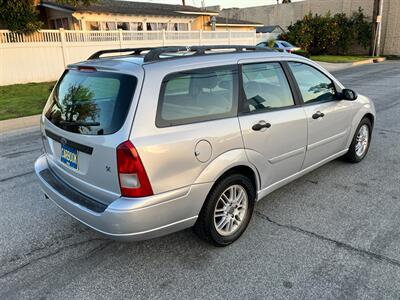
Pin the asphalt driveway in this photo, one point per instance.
(334, 233)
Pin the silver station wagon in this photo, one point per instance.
(143, 142)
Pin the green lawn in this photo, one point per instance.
(20, 100)
(339, 58)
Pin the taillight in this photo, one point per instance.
(87, 69)
(133, 179)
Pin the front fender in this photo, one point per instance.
(225, 162)
(366, 107)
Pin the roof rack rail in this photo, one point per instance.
(155, 53)
(135, 51)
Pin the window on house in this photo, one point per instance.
(172, 27)
(52, 24)
(151, 26)
(136, 26)
(162, 26)
(183, 26)
(123, 25)
(59, 23)
(65, 23)
(108, 26)
(92, 25)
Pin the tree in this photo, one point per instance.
(19, 15)
(22, 16)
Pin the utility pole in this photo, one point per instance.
(375, 12)
(379, 21)
(377, 34)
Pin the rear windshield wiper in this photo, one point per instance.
(79, 123)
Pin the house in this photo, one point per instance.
(129, 15)
(234, 24)
(270, 29)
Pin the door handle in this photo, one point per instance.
(318, 115)
(260, 125)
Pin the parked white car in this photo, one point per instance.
(285, 46)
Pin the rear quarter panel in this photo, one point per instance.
(168, 153)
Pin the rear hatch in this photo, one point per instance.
(88, 114)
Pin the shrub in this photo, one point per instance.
(271, 43)
(362, 28)
(335, 34)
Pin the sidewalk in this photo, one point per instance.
(19, 123)
(332, 67)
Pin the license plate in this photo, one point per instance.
(69, 156)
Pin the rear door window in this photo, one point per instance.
(198, 95)
(93, 103)
(265, 87)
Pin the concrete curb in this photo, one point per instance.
(19, 123)
(369, 61)
(332, 67)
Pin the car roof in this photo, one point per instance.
(129, 63)
(136, 65)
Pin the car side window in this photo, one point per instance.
(286, 44)
(314, 85)
(198, 95)
(265, 87)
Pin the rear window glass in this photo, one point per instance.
(198, 95)
(93, 103)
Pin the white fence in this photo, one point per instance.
(42, 56)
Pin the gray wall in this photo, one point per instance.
(285, 14)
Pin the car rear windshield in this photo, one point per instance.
(91, 102)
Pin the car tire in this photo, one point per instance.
(361, 141)
(227, 210)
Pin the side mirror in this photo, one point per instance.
(348, 94)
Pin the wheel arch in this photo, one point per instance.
(370, 117)
(366, 111)
(241, 169)
(234, 161)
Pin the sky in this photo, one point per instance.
(223, 3)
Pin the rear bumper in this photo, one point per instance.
(126, 218)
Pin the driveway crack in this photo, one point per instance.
(16, 176)
(73, 245)
(388, 130)
(339, 244)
